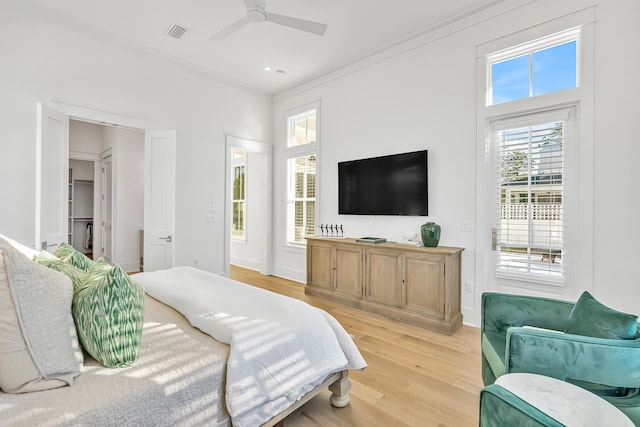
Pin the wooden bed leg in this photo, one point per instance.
(340, 390)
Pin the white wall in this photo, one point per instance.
(616, 156)
(422, 95)
(85, 137)
(43, 61)
(82, 169)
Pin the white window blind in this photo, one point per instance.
(529, 175)
(301, 199)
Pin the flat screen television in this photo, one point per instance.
(386, 185)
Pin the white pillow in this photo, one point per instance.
(39, 346)
(26, 250)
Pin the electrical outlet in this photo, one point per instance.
(467, 226)
(468, 286)
(210, 219)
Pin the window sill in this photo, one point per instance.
(298, 249)
(532, 278)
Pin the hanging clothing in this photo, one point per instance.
(88, 236)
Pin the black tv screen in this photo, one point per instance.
(387, 185)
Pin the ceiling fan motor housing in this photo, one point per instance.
(256, 14)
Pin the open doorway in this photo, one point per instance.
(81, 205)
(106, 192)
(248, 205)
(147, 167)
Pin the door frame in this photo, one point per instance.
(104, 156)
(97, 199)
(100, 117)
(231, 143)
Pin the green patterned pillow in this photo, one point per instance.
(76, 258)
(53, 262)
(64, 249)
(108, 309)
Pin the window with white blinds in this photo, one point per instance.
(301, 203)
(301, 177)
(530, 220)
(238, 195)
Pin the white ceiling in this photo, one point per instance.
(356, 29)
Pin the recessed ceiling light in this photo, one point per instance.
(266, 68)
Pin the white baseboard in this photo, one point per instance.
(251, 264)
(291, 274)
(130, 267)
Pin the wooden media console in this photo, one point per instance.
(412, 284)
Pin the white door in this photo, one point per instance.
(533, 214)
(52, 178)
(107, 208)
(159, 198)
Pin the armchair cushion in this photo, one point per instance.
(493, 350)
(591, 318)
(531, 400)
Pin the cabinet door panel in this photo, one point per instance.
(320, 266)
(348, 270)
(383, 277)
(424, 284)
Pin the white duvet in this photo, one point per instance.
(280, 347)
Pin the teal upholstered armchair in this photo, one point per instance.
(519, 335)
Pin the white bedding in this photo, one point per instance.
(280, 347)
(176, 380)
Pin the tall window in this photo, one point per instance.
(530, 189)
(535, 68)
(238, 195)
(301, 176)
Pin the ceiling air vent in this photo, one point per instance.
(176, 31)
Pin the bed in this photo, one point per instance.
(246, 376)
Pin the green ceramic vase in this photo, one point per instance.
(430, 234)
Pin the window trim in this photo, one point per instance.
(290, 127)
(528, 48)
(294, 151)
(580, 247)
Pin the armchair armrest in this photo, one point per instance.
(608, 362)
(502, 311)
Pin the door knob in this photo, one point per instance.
(44, 245)
(166, 238)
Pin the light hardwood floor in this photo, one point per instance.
(415, 377)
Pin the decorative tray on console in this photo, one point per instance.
(373, 240)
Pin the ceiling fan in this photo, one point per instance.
(257, 13)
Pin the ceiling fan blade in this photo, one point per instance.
(298, 24)
(226, 32)
(253, 3)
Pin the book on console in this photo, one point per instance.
(373, 240)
